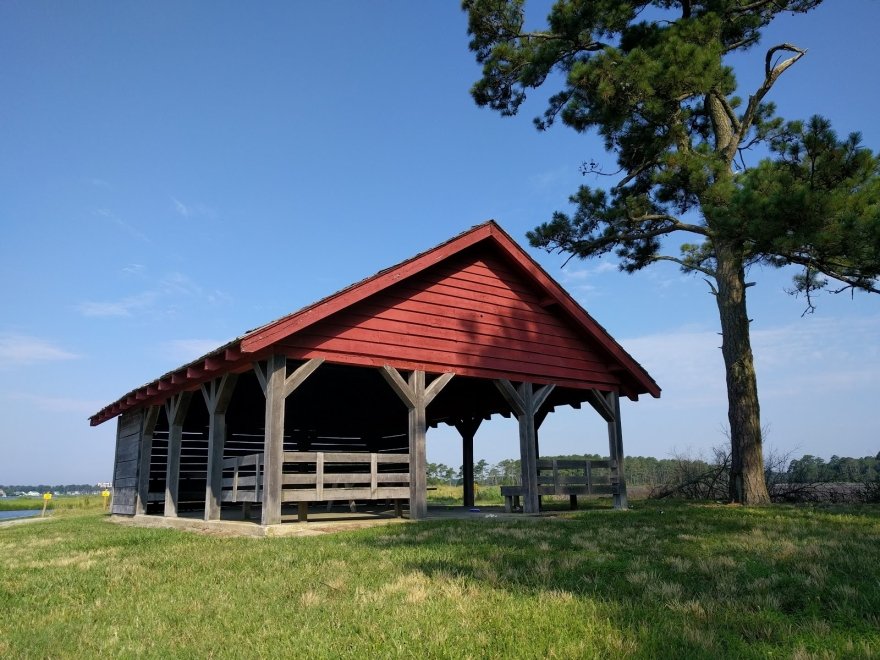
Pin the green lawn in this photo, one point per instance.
(663, 580)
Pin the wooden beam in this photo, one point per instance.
(615, 450)
(399, 385)
(540, 397)
(217, 394)
(416, 396)
(299, 376)
(418, 484)
(528, 449)
(262, 377)
(525, 402)
(213, 364)
(597, 399)
(467, 428)
(508, 391)
(175, 408)
(437, 386)
(273, 446)
(151, 416)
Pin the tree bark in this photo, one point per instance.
(747, 485)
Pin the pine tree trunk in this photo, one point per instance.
(747, 484)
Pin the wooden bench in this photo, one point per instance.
(578, 480)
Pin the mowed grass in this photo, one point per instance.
(660, 581)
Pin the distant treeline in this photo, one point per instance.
(650, 471)
(67, 489)
(810, 469)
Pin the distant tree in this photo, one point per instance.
(807, 469)
(510, 471)
(481, 471)
(439, 473)
(651, 76)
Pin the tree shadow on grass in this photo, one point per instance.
(676, 579)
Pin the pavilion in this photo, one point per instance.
(333, 402)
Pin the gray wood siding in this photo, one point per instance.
(125, 467)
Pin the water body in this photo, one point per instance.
(27, 513)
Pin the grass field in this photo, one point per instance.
(87, 502)
(668, 580)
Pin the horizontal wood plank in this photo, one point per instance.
(126, 469)
(489, 364)
(336, 494)
(471, 342)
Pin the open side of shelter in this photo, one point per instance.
(333, 402)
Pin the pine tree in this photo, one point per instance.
(651, 78)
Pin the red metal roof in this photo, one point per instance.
(477, 305)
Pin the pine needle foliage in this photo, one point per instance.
(735, 183)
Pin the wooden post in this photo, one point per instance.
(525, 402)
(418, 482)
(277, 386)
(416, 396)
(175, 410)
(150, 418)
(467, 427)
(218, 394)
(273, 447)
(615, 450)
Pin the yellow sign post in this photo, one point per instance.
(106, 495)
(46, 499)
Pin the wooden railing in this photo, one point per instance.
(245, 487)
(578, 479)
(323, 477)
(361, 480)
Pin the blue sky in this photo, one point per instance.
(175, 173)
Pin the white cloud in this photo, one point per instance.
(22, 349)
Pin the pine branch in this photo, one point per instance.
(685, 265)
(771, 74)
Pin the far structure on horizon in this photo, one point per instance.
(332, 402)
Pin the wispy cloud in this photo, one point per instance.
(552, 179)
(192, 210)
(793, 361)
(134, 270)
(99, 183)
(579, 278)
(19, 349)
(133, 231)
(55, 404)
(165, 297)
(125, 307)
(185, 350)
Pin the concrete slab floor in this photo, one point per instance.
(321, 521)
